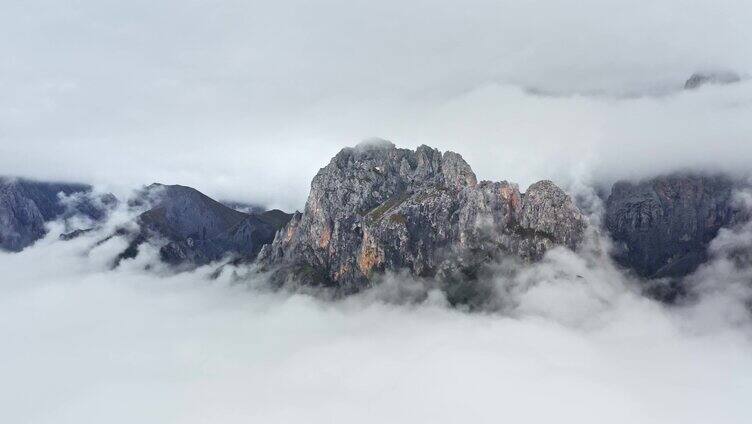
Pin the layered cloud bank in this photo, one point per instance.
(574, 339)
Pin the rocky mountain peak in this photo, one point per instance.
(377, 207)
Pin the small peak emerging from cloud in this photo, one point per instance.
(699, 79)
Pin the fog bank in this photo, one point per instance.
(575, 341)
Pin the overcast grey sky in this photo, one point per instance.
(247, 99)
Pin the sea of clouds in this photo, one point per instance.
(573, 339)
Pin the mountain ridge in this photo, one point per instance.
(376, 208)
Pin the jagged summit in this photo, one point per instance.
(379, 208)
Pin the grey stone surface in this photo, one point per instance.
(376, 207)
(25, 206)
(662, 226)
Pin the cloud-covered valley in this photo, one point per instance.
(575, 339)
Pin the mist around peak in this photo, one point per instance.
(571, 335)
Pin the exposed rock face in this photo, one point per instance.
(21, 222)
(376, 207)
(197, 229)
(699, 79)
(26, 205)
(663, 225)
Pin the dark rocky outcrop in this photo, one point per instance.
(376, 208)
(662, 226)
(699, 79)
(194, 229)
(25, 206)
(75, 234)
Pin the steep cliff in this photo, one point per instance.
(662, 226)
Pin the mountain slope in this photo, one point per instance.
(194, 229)
(26, 205)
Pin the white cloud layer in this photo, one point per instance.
(248, 99)
(576, 343)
